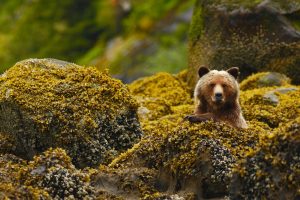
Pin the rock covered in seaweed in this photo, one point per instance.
(50, 103)
(49, 176)
(264, 79)
(54, 173)
(159, 94)
(252, 35)
(271, 106)
(190, 159)
(10, 187)
(125, 183)
(196, 161)
(273, 170)
(178, 160)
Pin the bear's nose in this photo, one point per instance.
(218, 96)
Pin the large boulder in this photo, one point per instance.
(50, 103)
(253, 35)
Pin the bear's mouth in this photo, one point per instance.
(218, 100)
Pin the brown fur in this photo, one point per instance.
(210, 107)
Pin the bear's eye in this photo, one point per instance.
(212, 85)
(224, 85)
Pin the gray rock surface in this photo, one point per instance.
(252, 35)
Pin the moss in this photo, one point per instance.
(147, 13)
(223, 36)
(197, 23)
(9, 168)
(233, 4)
(59, 104)
(264, 79)
(273, 169)
(159, 93)
(7, 143)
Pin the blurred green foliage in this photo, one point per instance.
(40, 28)
(80, 31)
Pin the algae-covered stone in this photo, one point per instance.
(195, 159)
(49, 103)
(125, 183)
(159, 93)
(252, 35)
(264, 79)
(53, 172)
(178, 160)
(10, 187)
(273, 98)
(272, 171)
(270, 105)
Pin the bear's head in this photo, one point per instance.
(217, 88)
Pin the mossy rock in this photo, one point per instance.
(157, 94)
(49, 176)
(252, 35)
(50, 103)
(273, 170)
(259, 105)
(10, 187)
(127, 183)
(176, 159)
(264, 79)
(53, 172)
(190, 158)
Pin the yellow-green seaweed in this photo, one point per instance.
(51, 103)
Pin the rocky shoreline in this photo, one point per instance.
(69, 132)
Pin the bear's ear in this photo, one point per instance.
(234, 71)
(202, 71)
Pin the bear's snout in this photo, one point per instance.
(218, 96)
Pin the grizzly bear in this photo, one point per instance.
(217, 97)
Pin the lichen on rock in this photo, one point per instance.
(50, 103)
